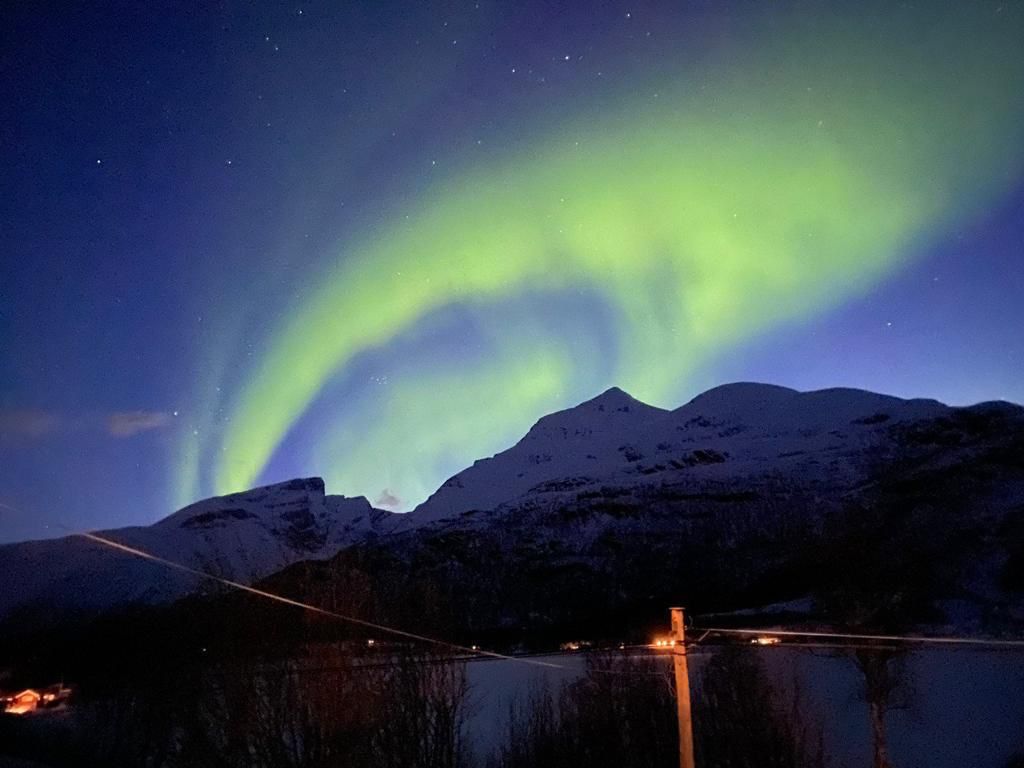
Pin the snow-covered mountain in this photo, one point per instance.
(607, 506)
(244, 537)
(731, 432)
(606, 513)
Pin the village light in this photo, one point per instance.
(21, 703)
(29, 700)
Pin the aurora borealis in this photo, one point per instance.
(384, 246)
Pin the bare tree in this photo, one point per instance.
(743, 720)
(317, 712)
(623, 714)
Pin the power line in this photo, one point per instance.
(305, 606)
(332, 614)
(476, 652)
(975, 641)
(856, 638)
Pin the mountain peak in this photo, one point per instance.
(774, 407)
(586, 415)
(313, 485)
(300, 489)
(742, 392)
(241, 536)
(614, 398)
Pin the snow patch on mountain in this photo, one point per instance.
(739, 458)
(243, 537)
(735, 430)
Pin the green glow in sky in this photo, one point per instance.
(782, 174)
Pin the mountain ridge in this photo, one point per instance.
(726, 407)
(886, 512)
(734, 455)
(241, 536)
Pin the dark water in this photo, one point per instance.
(963, 707)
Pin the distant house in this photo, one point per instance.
(30, 699)
(20, 703)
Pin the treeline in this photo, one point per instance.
(412, 713)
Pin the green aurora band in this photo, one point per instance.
(759, 186)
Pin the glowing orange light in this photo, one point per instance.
(26, 701)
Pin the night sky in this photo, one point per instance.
(375, 241)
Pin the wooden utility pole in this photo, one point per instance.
(682, 689)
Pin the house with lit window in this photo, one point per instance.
(31, 699)
(20, 703)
